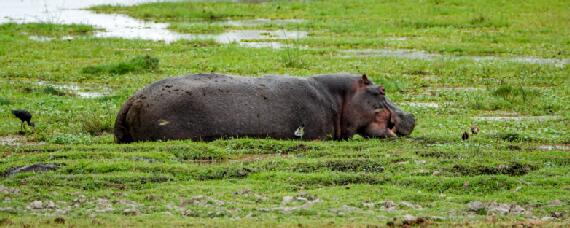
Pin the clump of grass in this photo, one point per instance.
(70, 139)
(4, 101)
(53, 91)
(95, 124)
(48, 29)
(291, 58)
(511, 93)
(136, 64)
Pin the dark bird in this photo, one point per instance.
(465, 136)
(24, 116)
(474, 129)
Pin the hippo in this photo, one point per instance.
(205, 107)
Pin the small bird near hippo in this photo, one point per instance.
(474, 129)
(465, 136)
(25, 117)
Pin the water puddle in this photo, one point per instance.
(560, 147)
(242, 37)
(122, 26)
(401, 53)
(422, 55)
(76, 90)
(422, 104)
(517, 118)
(257, 22)
(455, 89)
(40, 38)
(523, 59)
(396, 38)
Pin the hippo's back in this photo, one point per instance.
(210, 106)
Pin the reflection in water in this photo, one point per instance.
(75, 89)
(121, 26)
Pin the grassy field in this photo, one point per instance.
(515, 171)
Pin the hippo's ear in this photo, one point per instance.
(381, 89)
(364, 81)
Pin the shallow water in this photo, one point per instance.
(240, 35)
(455, 89)
(403, 53)
(257, 21)
(416, 54)
(554, 147)
(122, 26)
(422, 104)
(76, 89)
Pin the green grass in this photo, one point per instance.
(536, 28)
(243, 181)
(136, 65)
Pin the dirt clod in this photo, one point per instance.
(8, 190)
(494, 208)
(59, 220)
(36, 205)
(6, 222)
(557, 214)
(131, 212)
(390, 206)
(476, 206)
(555, 203)
(40, 167)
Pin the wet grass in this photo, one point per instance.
(13, 30)
(135, 65)
(246, 180)
(512, 29)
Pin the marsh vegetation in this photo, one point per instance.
(514, 171)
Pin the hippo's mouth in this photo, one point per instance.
(401, 123)
(389, 123)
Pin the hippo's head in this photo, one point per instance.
(371, 114)
(389, 122)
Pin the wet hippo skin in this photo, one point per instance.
(204, 107)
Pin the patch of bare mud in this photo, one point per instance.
(290, 204)
(17, 140)
(40, 167)
(494, 208)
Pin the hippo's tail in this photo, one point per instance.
(122, 131)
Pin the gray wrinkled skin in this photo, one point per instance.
(204, 107)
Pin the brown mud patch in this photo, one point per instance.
(17, 140)
(40, 167)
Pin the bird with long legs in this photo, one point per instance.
(25, 117)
